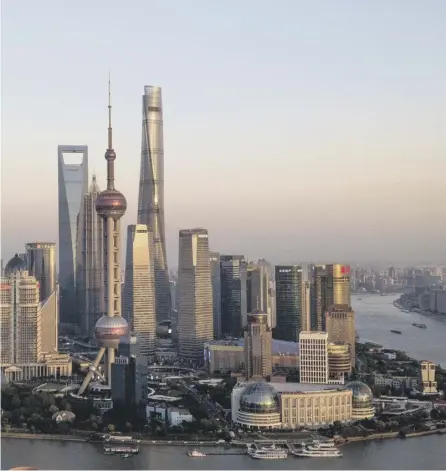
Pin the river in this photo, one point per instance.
(375, 316)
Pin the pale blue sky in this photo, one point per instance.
(294, 130)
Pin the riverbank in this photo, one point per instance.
(43, 436)
(387, 435)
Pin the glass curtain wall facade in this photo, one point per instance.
(233, 276)
(72, 186)
(151, 194)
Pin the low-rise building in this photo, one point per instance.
(177, 416)
(261, 405)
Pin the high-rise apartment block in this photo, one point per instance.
(194, 297)
(258, 346)
(214, 258)
(41, 259)
(313, 357)
(289, 302)
(72, 186)
(28, 327)
(151, 193)
(340, 325)
(91, 296)
(139, 288)
(233, 274)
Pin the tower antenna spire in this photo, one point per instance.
(110, 144)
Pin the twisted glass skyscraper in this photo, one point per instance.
(151, 194)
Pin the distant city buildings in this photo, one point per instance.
(194, 297)
(72, 186)
(151, 194)
(233, 275)
(289, 302)
(258, 346)
(139, 288)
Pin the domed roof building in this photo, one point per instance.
(259, 407)
(362, 396)
(15, 264)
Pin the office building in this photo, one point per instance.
(233, 274)
(214, 258)
(194, 297)
(313, 357)
(151, 193)
(338, 284)
(427, 377)
(91, 296)
(139, 288)
(305, 324)
(319, 281)
(129, 378)
(260, 293)
(289, 302)
(258, 346)
(41, 259)
(340, 325)
(72, 186)
(111, 206)
(262, 405)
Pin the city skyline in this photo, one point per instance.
(370, 118)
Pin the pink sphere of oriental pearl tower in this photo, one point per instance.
(110, 205)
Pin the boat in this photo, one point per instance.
(314, 452)
(317, 445)
(420, 326)
(196, 454)
(396, 331)
(126, 455)
(268, 453)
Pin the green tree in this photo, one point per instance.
(110, 428)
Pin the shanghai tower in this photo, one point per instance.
(151, 194)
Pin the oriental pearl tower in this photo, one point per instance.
(110, 205)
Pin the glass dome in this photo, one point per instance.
(361, 395)
(259, 398)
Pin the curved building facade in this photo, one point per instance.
(338, 360)
(362, 398)
(289, 405)
(151, 194)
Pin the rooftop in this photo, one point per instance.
(279, 347)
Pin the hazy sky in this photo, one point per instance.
(294, 130)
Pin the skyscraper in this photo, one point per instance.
(340, 325)
(214, 258)
(91, 291)
(111, 206)
(259, 291)
(258, 346)
(338, 284)
(151, 193)
(139, 288)
(194, 296)
(289, 302)
(233, 276)
(319, 295)
(41, 259)
(72, 184)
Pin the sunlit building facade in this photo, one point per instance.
(194, 297)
